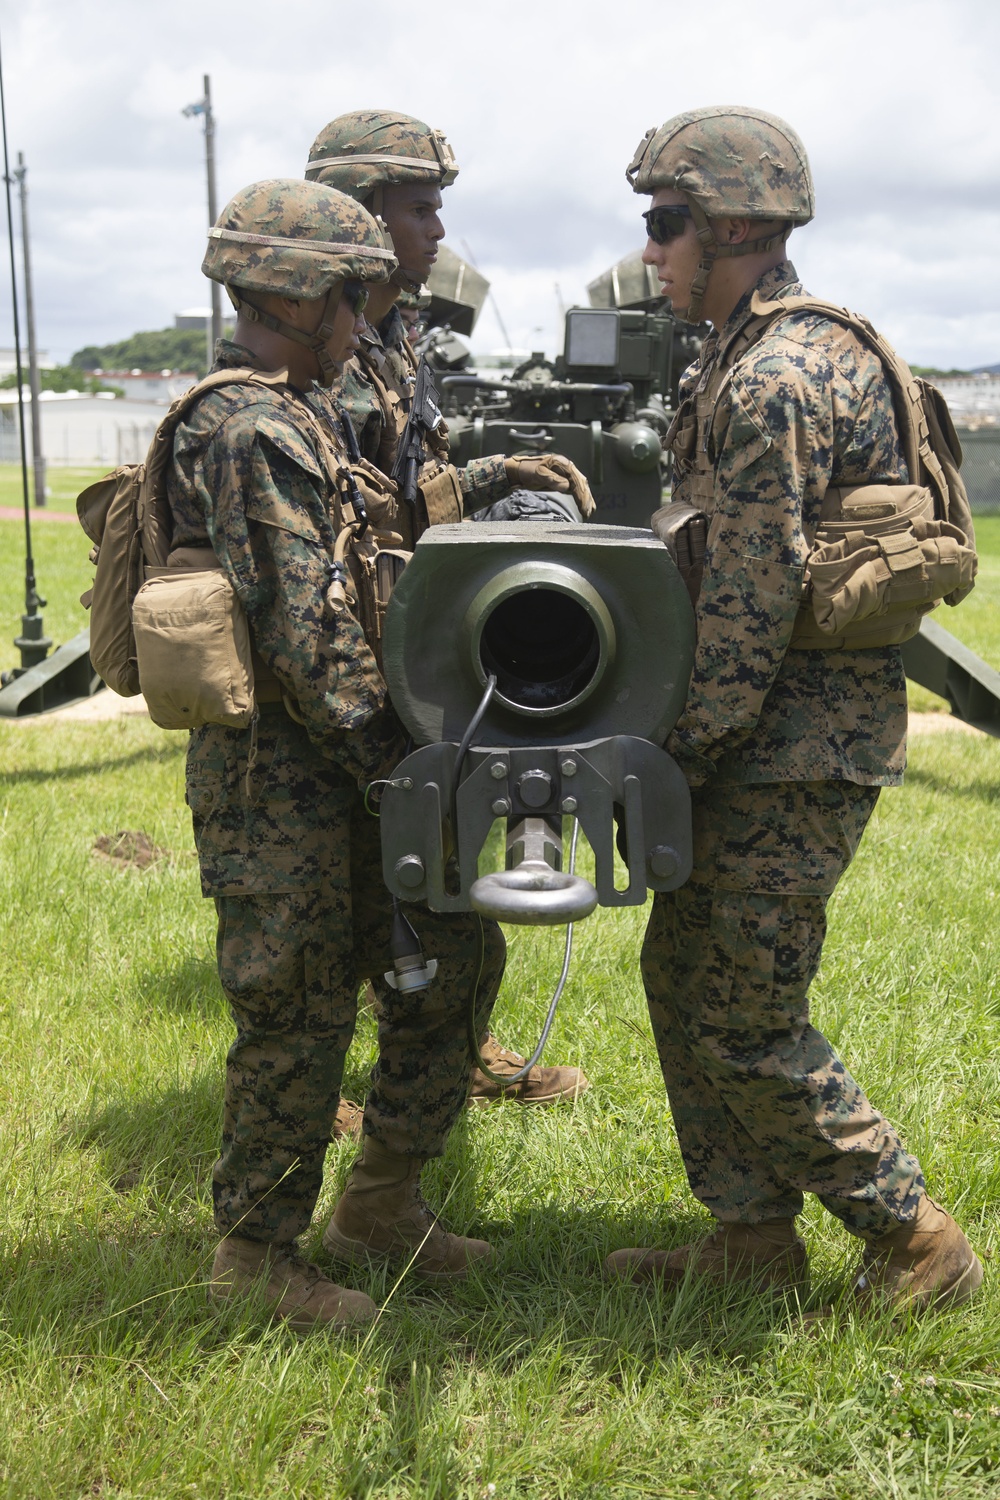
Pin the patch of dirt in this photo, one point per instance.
(940, 724)
(130, 848)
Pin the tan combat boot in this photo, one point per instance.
(383, 1217)
(926, 1261)
(299, 1294)
(347, 1121)
(541, 1086)
(768, 1256)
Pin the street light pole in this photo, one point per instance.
(213, 209)
(204, 107)
(38, 457)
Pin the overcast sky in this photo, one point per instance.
(544, 102)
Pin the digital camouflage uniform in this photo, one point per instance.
(362, 153)
(376, 391)
(785, 751)
(285, 845)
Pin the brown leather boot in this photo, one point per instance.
(768, 1255)
(383, 1217)
(541, 1086)
(347, 1121)
(299, 1294)
(923, 1262)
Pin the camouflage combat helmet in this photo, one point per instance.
(296, 239)
(363, 151)
(728, 161)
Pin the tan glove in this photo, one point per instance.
(549, 471)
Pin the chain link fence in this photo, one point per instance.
(981, 468)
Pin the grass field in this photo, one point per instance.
(117, 1381)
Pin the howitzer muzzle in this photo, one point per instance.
(589, 633)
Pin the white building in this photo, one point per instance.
(974, 400)
(82, 430)
(8, 362)
(148, 385)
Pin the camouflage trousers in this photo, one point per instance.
(764, 1109)
(294, 863)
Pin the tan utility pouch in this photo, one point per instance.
(442, 496)
(879, 563)
(374, 571)
(683, 530)
(193, 648)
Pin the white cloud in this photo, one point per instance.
(896, 102)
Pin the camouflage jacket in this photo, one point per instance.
(248, 475)
(806, 407)
(376, 389)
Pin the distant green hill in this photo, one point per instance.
(59, 378)
(160, 349)
(930, 372)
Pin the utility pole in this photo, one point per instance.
(33, 644)
(204, 107)
(38, 457)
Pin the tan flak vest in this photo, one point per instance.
(883, 555)
(166, 621)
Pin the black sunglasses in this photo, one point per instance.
(666, 223)
(355, 294)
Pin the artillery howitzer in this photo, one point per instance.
(538, 667)
(605, 402)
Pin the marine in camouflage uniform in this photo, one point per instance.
(372, 155)
(785, 749)
(286, 847)
(364, 153)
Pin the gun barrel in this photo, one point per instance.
(589, 633)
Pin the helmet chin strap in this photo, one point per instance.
(405, 283)
(315, 342)
(712, 250)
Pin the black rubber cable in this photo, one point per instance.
(463, 749)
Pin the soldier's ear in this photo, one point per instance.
(735, 231)
(290, 307)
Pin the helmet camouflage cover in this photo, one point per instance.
(731, 161)
(369, 148)
(295, 238)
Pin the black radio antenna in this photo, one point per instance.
(31, 642)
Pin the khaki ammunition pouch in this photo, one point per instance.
(683, 530)
(193, 649)
(377, 492)
(379, 569)
(197, 663)
(442, 494)
(879, 562)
